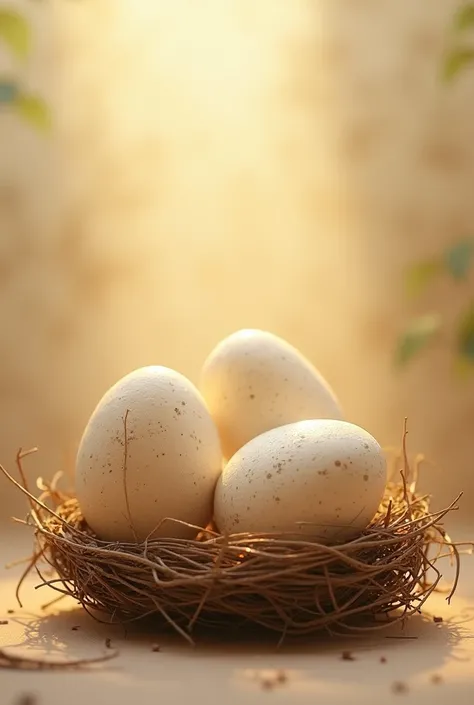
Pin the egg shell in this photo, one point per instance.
(320, 478)
(254, 381)
(169, 464)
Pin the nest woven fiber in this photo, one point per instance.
(292, 586)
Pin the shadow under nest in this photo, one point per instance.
(289, 585)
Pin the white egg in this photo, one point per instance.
(254, 381)
(321, 478)
(167, 465)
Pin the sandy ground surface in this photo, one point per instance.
(427, 662)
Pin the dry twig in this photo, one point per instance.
(8, 659)
(288, 584)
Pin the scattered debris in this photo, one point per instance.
(347, 656)
(437, 620)
(268, 679)
(108, 643)
(436, 679)
(155, 647)
(399, 688)
(383, 659)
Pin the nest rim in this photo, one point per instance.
(292, 586)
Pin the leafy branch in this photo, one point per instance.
(456, 262)
(15, 34)
(461, 53)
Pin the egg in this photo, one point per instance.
(320, 478)
(254, 381)
(166, 465)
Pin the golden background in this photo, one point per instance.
(224, 164)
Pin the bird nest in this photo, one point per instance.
(291, 586)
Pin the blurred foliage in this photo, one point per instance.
(461, 51)
(34, 110)
(417, 335)
(457, 260)
(16, 35)
(15, 32)
(464, 18)
(455, 263)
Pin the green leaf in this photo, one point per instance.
(458, 259)
(463, 368)
(464, 18)
(8, 92)
(465, 335)
(15, 32)
(420, 275)
(419, 334)
(456, 61)
(34, 110)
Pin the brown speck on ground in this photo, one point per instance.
(27, 699)
(269, 475)
(366, 477)
(383, 659)
(281, 676)
(10, 611)
(267, 683)
(347, 656)
(399, 688)
(108, 643)
(436, 679)
(155, 648)
(277, 499)
(437, 620)
(3, 621)
(251, 396)
(337, 463)
(74, 629)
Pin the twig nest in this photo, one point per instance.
(290, 586)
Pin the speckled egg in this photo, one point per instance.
(150, 451)
(321, 478)
(254, 381)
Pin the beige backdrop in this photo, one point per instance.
(230, 163)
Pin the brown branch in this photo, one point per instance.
(15, 661)
(125, 488)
